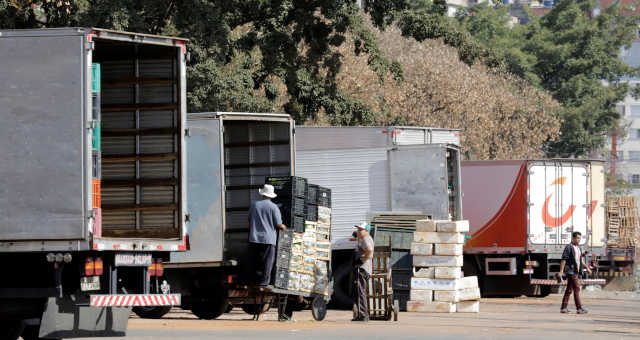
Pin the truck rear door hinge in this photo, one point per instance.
(187, 132)
(92, 124)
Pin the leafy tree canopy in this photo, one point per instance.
(573, 55)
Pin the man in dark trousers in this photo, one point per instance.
(364, 264)
(571, 264)
(264, 218)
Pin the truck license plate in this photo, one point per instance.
(133, 260)
(90, 283)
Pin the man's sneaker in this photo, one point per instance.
(582, 311)
(564, 311)
(357, 319)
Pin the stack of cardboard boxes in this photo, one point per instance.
(438, 284)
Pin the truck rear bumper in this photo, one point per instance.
(134, 300)
(551, 282)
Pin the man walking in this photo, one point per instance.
(264, 217)
(364, 264)
(571, 263)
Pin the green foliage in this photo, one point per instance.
(572, 55)
(246, 55)
(618, 186)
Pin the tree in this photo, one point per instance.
(242, 51)
(501, 115)
(573, 55)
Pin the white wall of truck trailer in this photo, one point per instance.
(354, 163)
(81, 225)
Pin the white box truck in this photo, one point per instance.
(92, 178)
(399, 169)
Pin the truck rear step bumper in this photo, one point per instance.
(134, 300)
(544, 282)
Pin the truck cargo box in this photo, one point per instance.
(50, 199)
(230, 157)
(518, 206)
(381, 169)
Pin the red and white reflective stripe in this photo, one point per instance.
(564, 282)
(134, 300)
(238, 293)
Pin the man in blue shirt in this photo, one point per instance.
(264, 217)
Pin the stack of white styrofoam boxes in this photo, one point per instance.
(438, 284)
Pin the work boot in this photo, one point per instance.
(582, 311)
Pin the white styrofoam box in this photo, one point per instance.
(448, 249)
(424, 295)
(468, 294)
(452, 226)
(437, 261)
(421, 248)
(468, 307)
(449, 273)
(434, 284)
(445, 296)
(432, 237)
(431, 307)
(469, 282)
(425, 225)
(427, 273)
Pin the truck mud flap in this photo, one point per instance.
(135, 300)
(552, 282)
(63, 318)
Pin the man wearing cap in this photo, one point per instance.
(264, 217)
(364, 264)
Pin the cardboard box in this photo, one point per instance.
(424, 295)
(437, 261)
(425, 273)
(468, 307)
(448, 249)
(433, 307)
(425, 225)
(453, 226)
(448, 273)
(421, 248)
(435, 238)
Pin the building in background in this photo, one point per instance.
(624, 145)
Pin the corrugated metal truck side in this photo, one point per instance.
(522, 214)
(93, 178)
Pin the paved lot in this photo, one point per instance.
(612, 316)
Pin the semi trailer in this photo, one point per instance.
(522, 214)
(92, 178)
(376, 169)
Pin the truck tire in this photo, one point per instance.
(151, 312)
(341, 286)
(32, 333)
(11, 329)
(210, 309)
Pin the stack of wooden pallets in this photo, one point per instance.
(623, 222)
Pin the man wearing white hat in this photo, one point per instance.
(364, 264)
(264, 217)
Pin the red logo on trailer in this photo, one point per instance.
(551, 221)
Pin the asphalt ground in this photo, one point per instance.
(611, 316)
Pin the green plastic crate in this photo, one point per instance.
(95, 77)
